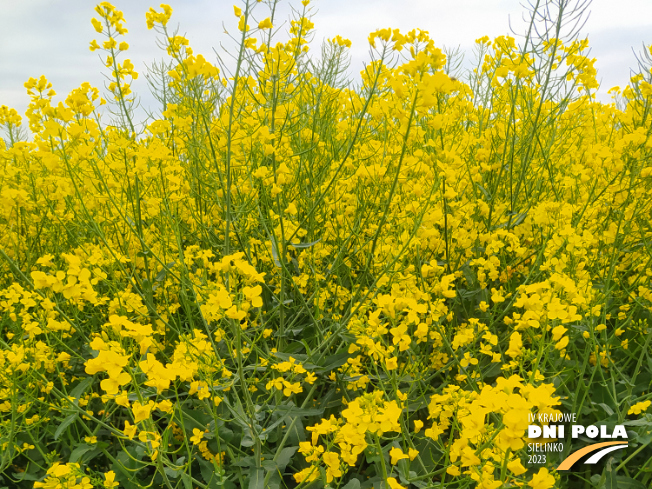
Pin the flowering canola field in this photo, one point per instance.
(283, 280)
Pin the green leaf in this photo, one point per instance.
(187, 481)
(492, 370)
(644, 421)
(194, 418)
(376, 481)
(285, 410)
(274, 481)
(297, 432)
(247, 441)
(484, 191)
(244, 462)
(208, 473)
(284, 456)
(610, 482)
(257, 479)
(469, 275)
(66, 422)
(275, 252)
(126, 466)
(332, 362)
(352, 484)
(171, 473)
(628, 483)
(304, 245)
(269, 465)
(24, 476)
(161, 275)
(294, 348)
(79, 451)
(225, 433)
(81, 387)
(286, 356)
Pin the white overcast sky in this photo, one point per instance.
(51, 37)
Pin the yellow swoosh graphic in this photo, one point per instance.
(568, 462)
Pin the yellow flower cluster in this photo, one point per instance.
(368, 414)
(65, 475)
(318, 281)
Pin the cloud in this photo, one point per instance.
(50, 37)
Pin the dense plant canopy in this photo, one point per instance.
(282, 279)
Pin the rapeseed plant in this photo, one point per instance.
(282, 279)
